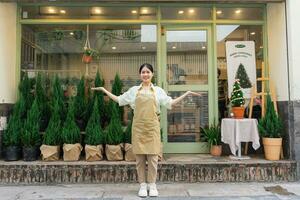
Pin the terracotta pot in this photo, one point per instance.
(238, 112)
(86, 59)
(272, 147)
(216, 150)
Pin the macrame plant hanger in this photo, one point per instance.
(87, 46)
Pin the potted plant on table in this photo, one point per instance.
(71, 136)
(94, 137)
(213, 136)
(31, 138)
(271, 129)
(50, 149)
(237, 100)
(114, 136)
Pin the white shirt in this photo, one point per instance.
(162, 99)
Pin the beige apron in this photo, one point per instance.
(146, 126)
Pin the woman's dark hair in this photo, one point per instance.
(146, 65)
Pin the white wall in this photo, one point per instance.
(277, 49)
(8, 27)
(293, 32)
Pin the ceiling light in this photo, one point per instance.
(71, 33)
(238, 11)
(191, 10)
(51, 10)
(219, 12)
(62, 11)
(180, 12)
(114, 48)
(173, 47)
(133, 11)
(144, 11)
(97, 11)
(252, 33)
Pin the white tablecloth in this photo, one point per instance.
(234, 131)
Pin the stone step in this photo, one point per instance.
(174, 169)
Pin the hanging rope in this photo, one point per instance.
(87, 42)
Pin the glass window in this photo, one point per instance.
(235, 33)
(186, 118)
(58, 49)
(186, 13)
(240, 13)
(100, 12)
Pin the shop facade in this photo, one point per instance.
(185, 42)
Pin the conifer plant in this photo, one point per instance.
(237, 100)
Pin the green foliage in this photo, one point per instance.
(114, 130)
(53, 132)
(270, 125)
(237, 97)
(93, 132)
(80, 101)
(99, 96)
(213, 134)
(116, 90)
(57, 96)
(41, 96)
(30, 134)
(128, 133)
(70, 132)
(242, 75)
(25, 88)
(12, 135)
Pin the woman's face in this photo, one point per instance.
(146, 75)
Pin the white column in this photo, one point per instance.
(293, 32)
(277, 49)
(8, 16)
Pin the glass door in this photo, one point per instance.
(187, 65)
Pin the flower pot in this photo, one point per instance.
(272, 148)
(93, 152)
(50, 153)
(238, 112)
(72, 152)
(30, 153)
(216, 150)
(12, 153)
(86, 59)
(114, 152)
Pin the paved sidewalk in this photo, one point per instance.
(168, 191)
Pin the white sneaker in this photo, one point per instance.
(143, 190)
(152, 190)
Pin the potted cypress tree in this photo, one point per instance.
(213, 136)
(50, 150)
(12, 135)
(94, 137)
(237, 100)
(80, 104)
(129, 155)
(57, 95)
(99, 96)
(42, 101)
(71, 136)
(271, 129)
(31, 138)
(114, 136)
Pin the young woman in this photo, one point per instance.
(146, 100)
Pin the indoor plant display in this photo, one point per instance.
(129, 155)
(71, 136)
(80, 104)
(237, 100)
(11, 136)
(114, 136)
(50, 149)
(213, 136)
(31, 138)
(99, 96)
(94, 136)
(87, 55)
(270, 127)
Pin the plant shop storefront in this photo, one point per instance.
(73, 47)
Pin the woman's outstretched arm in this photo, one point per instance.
(112, 96)
(180, 98)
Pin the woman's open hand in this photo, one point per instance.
(193, 93)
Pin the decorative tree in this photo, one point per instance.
(25, 89)
(237, 98)
(116, 90)
(58, 97)
(99, 96)
(80, 103)
(52, 136)
(242, 75)
(93, 132)
(127, 133)
(30, 135)
(114, 131)
(11, 136)
(270, 125)
(70, 131)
